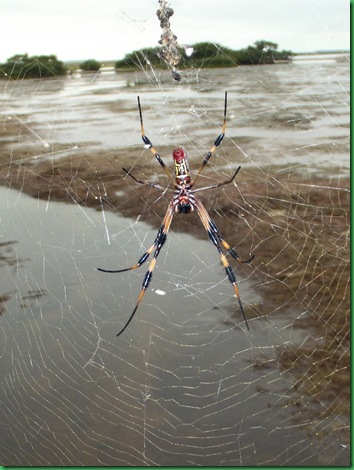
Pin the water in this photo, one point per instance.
(185, 384)
(275, 113)
(178, 362)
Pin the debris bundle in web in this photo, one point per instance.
(169, 51)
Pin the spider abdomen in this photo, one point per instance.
(184, 201)
(184, 208)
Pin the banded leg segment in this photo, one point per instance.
(148, 142)
(216, 144)
(217, 185)
(227, 247)
(146, 183)
(158, 244)
(217, 239)
(143, 258)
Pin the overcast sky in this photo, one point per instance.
(108, 29)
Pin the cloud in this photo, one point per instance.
(108, 29)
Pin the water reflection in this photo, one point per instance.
(182, 385)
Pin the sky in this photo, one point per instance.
(109, 29)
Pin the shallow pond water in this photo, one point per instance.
(186, 384)
(295, 114)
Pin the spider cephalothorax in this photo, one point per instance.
(184, 201)
(182, 171)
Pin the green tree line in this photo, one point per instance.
(209, 54)
(23, 66)
(40, 66)
(206, 54)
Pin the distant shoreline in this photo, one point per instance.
(111, 62)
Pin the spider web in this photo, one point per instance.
(185, 384)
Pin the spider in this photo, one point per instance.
(184, 201)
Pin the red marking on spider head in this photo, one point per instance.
(179, 154)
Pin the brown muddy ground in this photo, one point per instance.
(298, 229)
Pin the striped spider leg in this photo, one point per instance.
(157, 245)
(216, 237)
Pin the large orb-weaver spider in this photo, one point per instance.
(183, 201)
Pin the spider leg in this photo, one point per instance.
(142, 259)
(148, 142)
(217, 239)
(159, 242)
(146, 183)
(217, 185)
(159, 237)
(230, 250)
(216, 144)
